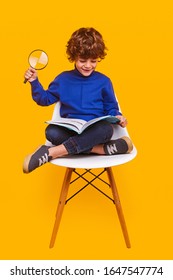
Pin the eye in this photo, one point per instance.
(82, 61)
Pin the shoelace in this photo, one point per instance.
(43, 159)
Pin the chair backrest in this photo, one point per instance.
(56, 112)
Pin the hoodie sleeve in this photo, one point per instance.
(111, 106)
(45, 97)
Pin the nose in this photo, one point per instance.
(87, 64)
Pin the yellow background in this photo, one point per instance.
(138, 35)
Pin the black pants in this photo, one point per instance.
(99, 133)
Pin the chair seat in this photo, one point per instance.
(93, 161)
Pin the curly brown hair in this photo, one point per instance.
(86, 43)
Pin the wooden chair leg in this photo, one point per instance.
(61, 204)
(118, 206)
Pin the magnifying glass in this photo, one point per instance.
(38, 59)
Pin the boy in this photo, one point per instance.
(84, 93)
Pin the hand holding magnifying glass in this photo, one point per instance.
(38, 60)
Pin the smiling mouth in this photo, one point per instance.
(87, 70)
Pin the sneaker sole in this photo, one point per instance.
(26, 162)
(129, 143)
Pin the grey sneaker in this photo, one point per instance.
(38, 158)
(121, 145)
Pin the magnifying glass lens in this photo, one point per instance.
(38, 60)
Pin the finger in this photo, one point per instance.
(32, 70)
(124, 123)
(28, 74)
(119, 117)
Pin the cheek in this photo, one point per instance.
(77, 65)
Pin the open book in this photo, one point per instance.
(79, 125)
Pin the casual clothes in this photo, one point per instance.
(81, 97)
(99, 133)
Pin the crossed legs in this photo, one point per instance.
(95, 139)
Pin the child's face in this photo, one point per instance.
(86, 66)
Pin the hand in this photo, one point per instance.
(30, 75)
(123, 120)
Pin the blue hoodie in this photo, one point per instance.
(83, 97)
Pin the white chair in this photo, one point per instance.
(89, 162)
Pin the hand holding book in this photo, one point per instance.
(122, 120)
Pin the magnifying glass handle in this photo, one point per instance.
(25, 81)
